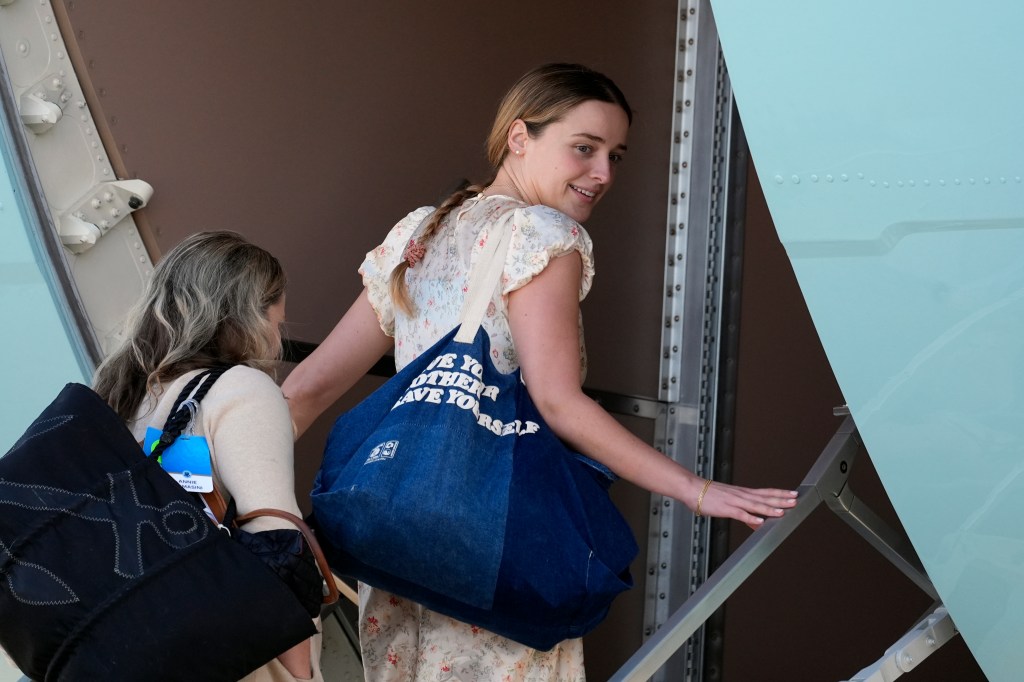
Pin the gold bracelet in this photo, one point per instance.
(700, 498)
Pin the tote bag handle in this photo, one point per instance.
(484, 278)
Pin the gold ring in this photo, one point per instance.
(700, 498)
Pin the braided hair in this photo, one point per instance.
(539, 98)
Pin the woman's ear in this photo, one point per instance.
(517, 137)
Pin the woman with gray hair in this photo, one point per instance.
(216, 300)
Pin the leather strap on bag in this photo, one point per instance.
(195, 391)
(321, 562)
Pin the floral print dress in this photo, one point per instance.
(402, 641)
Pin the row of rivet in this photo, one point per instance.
(795, 179)
(23, 48)
(659, 576)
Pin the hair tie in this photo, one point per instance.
(413, 253)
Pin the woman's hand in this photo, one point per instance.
(544, 319)
(747, 505)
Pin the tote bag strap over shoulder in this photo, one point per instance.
(483, 279)
(190, 396)
(183, 411)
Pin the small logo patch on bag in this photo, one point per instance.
(385, 450)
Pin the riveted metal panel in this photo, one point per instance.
(70, 164)
(701, 134)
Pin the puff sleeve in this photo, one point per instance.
(378, 264)
(539, 234)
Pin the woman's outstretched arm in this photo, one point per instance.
(348, 352)
(543, 316)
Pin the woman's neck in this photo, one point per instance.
(505, 185)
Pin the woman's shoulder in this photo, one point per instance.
(547, 215)
(248, 387)
(542, 228)
(412, 220)
(493, 205)
(243, 377)
(537, 222)
(540, 234)
(245, 393)
(240, 388)
(383, 258)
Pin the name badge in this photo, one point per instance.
(187, 460)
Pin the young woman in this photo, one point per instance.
(215, 299)
(555, 146)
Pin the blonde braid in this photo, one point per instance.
(398, 289)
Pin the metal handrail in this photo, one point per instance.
(826, 482)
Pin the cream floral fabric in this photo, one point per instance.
(437, 284)
(402, 641)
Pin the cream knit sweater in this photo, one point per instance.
(246, 422)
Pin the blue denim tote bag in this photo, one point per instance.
(446, 487)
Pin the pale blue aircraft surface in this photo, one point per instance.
(887, 137)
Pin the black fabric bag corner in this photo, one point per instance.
(110, 570)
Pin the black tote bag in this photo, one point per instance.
(109, 570)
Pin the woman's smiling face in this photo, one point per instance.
(572, 163)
